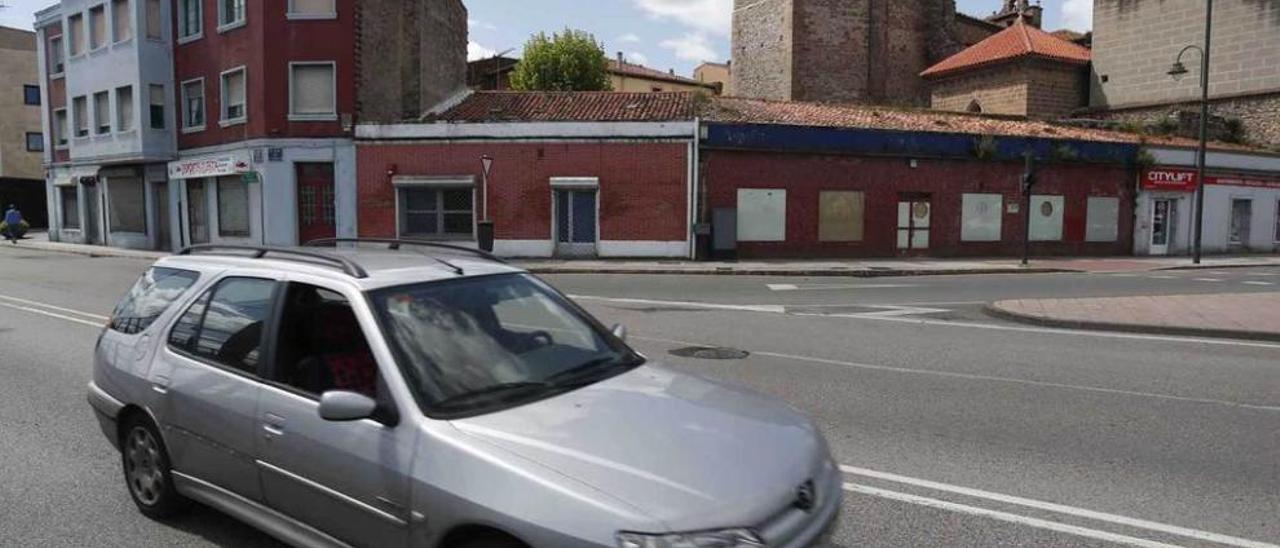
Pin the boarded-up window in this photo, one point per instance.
(840, 216)
(981, 217)
(1104, 220)
(75, 34)
(762, 215)
(1046, 218)
(128, 205)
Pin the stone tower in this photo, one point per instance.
(863, 51)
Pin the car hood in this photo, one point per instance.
(690, 452)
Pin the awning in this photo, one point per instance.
(73, 176)
(575, 182)
(418, 181)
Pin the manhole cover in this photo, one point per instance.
(710, 353)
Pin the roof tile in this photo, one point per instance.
(1019, 40)
(590, 106)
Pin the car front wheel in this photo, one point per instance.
(147, 473)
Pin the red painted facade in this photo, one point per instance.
(265, 46)
(884, 180)
(643, 186)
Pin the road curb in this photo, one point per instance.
(794, 273)
(994, 310)
(1212, 267)
(96, 253)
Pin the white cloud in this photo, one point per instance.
(710, 16)
(476, 51)
(629, 38)
(638, 58)
(478, 24)
(20, 14)
(693, 46)
(1077, 14)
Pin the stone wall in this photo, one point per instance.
(1136, 41)
(1055, 90)
(762, 65)
(997, 90)
(1258, 115)
(411, 55)
(833, 49)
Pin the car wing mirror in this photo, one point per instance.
(620, 331)
(343, 406)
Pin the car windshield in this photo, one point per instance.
(478, 345)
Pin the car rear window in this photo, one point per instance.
(154, 293)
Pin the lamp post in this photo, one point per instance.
(1177, 71)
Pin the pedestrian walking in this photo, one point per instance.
(12, 223)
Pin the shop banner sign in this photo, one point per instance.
(1183, 180)
(215, 166)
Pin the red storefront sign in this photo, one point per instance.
(1184, 180)
(1169, 179)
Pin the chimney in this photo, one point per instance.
(621, 59)
(672, 71)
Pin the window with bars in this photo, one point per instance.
(444, 213)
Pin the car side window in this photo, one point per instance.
(150, 297)
(322, 346)
(227, 324)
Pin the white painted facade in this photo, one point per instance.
(1262, 231)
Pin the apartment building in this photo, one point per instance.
(186, 122)
(21, 137)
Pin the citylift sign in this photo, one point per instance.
(1184, 180)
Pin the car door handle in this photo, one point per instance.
(273, 425)
(160, 384)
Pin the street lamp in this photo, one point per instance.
(1177, 71)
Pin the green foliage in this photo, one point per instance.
(568, 61)
(1145, 158)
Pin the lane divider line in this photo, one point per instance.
(53, 307)
(1007, 517)
(1062, 509)
(54, 315)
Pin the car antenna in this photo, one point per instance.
(455, 268)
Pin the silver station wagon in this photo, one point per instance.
(383, 393)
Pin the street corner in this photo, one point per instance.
(1248, 316)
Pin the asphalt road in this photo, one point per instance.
(955, 429)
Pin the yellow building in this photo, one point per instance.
(22, 141)
(633, 78)
(716, 74)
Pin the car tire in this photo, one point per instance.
(145, 463)
(495, 540)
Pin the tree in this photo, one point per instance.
(569, 61)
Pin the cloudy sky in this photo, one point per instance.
(663, 34)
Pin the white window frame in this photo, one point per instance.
(232, 25)
(58, 44)
(182, 17)
(133, 30)
(204, 106)
(223, 121)
(106, 30)
(970, 233)
(62, 130)
(295, 16)
(312, 117)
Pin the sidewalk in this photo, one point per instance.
(866, 268)
(1254, 316)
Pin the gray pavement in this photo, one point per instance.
(958, 429)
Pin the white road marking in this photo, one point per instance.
(1210, 280)
(835, 287)
(1006, 517)
(887, 311)
(52, 307)
(1163, 277)
(53, 315)
(1259, 283)
(772, 309)
(1062, 509)
(973, 377)
(1124, 275)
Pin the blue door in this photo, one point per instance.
(576, 230)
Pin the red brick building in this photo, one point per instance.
(572, 174)
(783, 180)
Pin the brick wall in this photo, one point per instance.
(643, 186)
(1002, 89)
(411, 56)
(1135, 42)
(804, 176)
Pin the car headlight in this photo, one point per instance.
(725, 538)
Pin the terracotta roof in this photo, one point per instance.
(755, 111)
(587, 106)
(1068, 34)
(640, 71)
(1017, 41)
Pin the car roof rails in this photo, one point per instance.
(258, 252)
(395, 244)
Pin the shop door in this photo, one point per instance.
(1241, 219)
(1162, 223)
(914, 216)
(197, 212)
(317, 205)
(160, 197)
(92, 215)
(575, 222)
